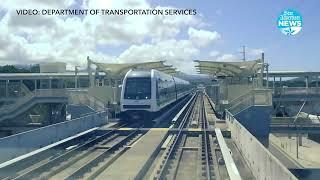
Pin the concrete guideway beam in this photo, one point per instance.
(231, 166)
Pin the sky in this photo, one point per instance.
(217, 33)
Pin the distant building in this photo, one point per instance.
(55, 67)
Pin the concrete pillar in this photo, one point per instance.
(50, 83)
(59, 84)
(7, 83)
(62, 83)
(91, 78)
(40, 84)
(267, 75)
(20, 86)
(35, 85)
(274, 82)
(262, 70)
(79, 85)
(307, 81)
(76, 77)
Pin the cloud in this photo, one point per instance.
(36, 39)
(179, 53)
(227, 58)
(203, 38)
(35, 4)
(214, 53)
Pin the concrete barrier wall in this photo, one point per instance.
(19, 144)
(262, 163)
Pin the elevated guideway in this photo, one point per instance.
(296, 94)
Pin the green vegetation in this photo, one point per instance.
(14, 69)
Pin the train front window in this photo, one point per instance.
(138, 88)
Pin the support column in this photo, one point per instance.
(274, 82)
(62, 84)
(91, 78)
(50, 83)
(262, 70)
(40, 83)
(307, 84)
(20, 84)
(75, 76)
(35, 85)
(267, 66)
(307, 81)
(7, 83)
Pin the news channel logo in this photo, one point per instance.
(290, 22)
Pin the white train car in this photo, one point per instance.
(147, 92)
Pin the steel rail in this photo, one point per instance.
(94, 162)
(67, 155)
(176, 139)
(205, 136)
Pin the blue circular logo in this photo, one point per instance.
(290, 22)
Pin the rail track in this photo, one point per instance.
(187, 156)
(34, 166)
(183, 154)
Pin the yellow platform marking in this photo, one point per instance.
(159, 129)
(125, 129)
(190, 148)
(166, 142)
(195, 129)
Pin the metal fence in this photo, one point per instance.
(256, 97)
(296, 91)
(39, 93)
(83, 98)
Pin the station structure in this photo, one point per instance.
(261, 108)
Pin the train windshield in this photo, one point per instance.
(138, 88)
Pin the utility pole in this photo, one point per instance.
(297, 131)
(243, 52)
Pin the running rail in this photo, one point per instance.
(231, 166)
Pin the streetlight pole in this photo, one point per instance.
(297, 132)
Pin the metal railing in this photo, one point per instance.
(5, 109)
(290, 121)
(256, 97)
(82, 97)
(296, 91)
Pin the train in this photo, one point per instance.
(145, 93)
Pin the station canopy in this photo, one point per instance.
(115, 69)
(229, 69)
